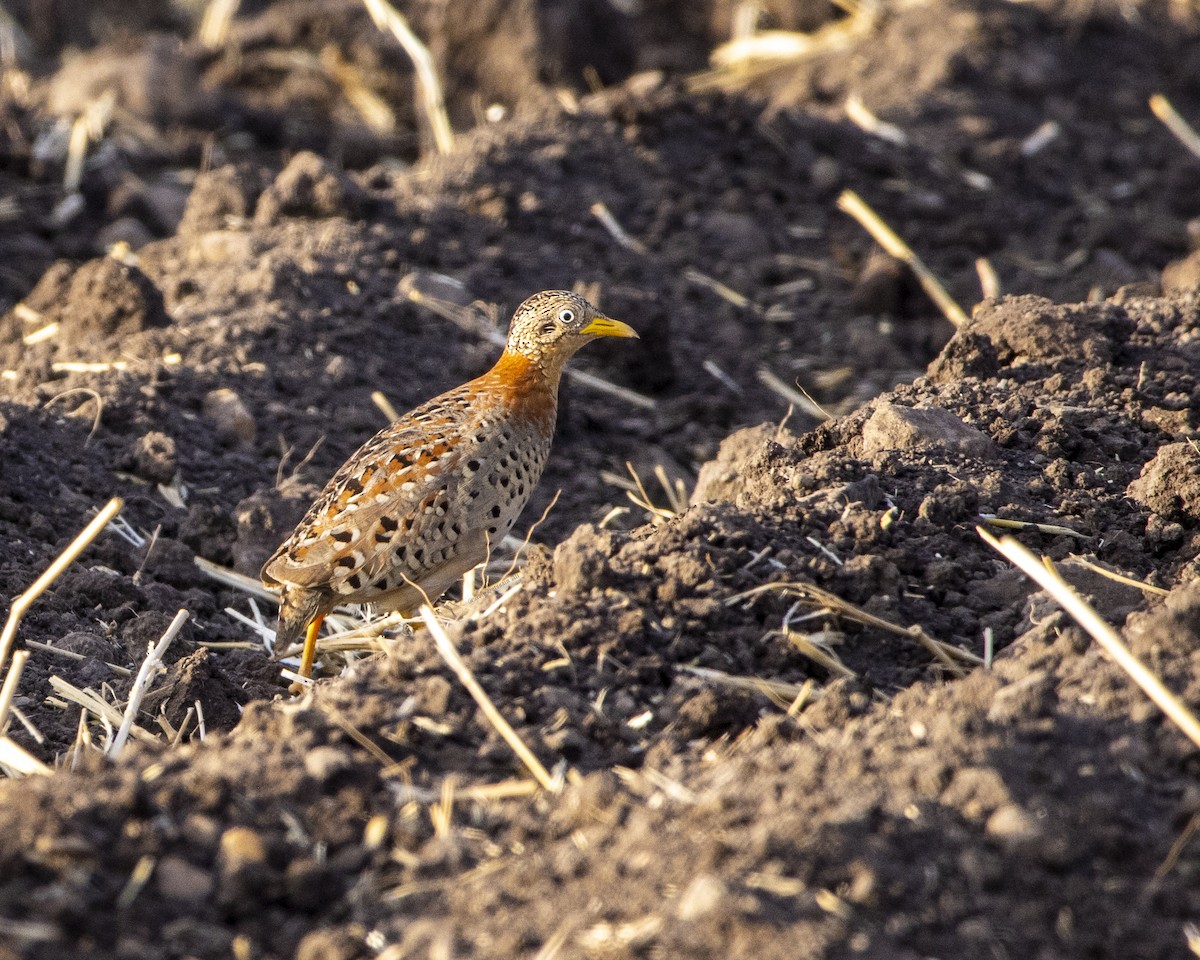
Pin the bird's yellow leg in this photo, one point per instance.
(310, 645)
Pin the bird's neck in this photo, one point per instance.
(527, 387)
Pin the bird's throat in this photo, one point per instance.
(527, 388)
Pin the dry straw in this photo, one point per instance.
(429, 88)
(1086, 616)
(446, 648)
(851, 203)
(1173, 121)
(150, 666)
(21, 604)
(12, 756)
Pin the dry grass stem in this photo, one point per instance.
(747, 57)
(632, 397)
(727, 294)
(714, 371)
(467, 678)
(372, 108)
(481, 793)
(150, 666)
(805, 645)
(474, 875)
(1041, 138)
(501, 600)
(88, 127)
(793, 396)
(779, 691)
(1181, 841)
(1086, 616)
(556, 941)
(9, 689)
(1174, 122)
(72, 655)
(989, 280)
(379, 398)
(1050, 528)
(601, 212)
(20, 761)
(519, 552)
(637, 493)
(648, 781)
(48, 332)
(21, 604)
(1119, 577)
(415, 287)
(239, 581)
(97, 706)
(28, 724)
(949, 656)
(432, 104)
(360, 738)
(851, 203)
(1191, 933)
(201, 729)
(858, 114)
(138, 878)
(214, 25)
(297, 681)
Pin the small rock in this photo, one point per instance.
(154, 457)
(242, 869)
(240, 848)
(1180, 276)
(200, 830)
(1012, 824)
(702, 896)
(825, 174)
(333, 944)
(324, 763)
(1170, 484)
(894, 428)
(421, 285)
(234, 422)
(179, 880)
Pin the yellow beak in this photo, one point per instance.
(606, 327)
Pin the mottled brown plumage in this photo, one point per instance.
(422, 501)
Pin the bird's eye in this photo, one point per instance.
(566, 315)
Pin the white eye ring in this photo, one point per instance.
(566, 315)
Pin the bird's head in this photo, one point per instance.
(550, 326)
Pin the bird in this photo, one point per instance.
(425, 499)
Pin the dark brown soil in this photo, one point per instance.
(270, 228)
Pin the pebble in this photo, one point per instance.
(240, 848)
(179, 880)
(234, 422)
(1013, 824)
(324, 763)
(702, 896)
